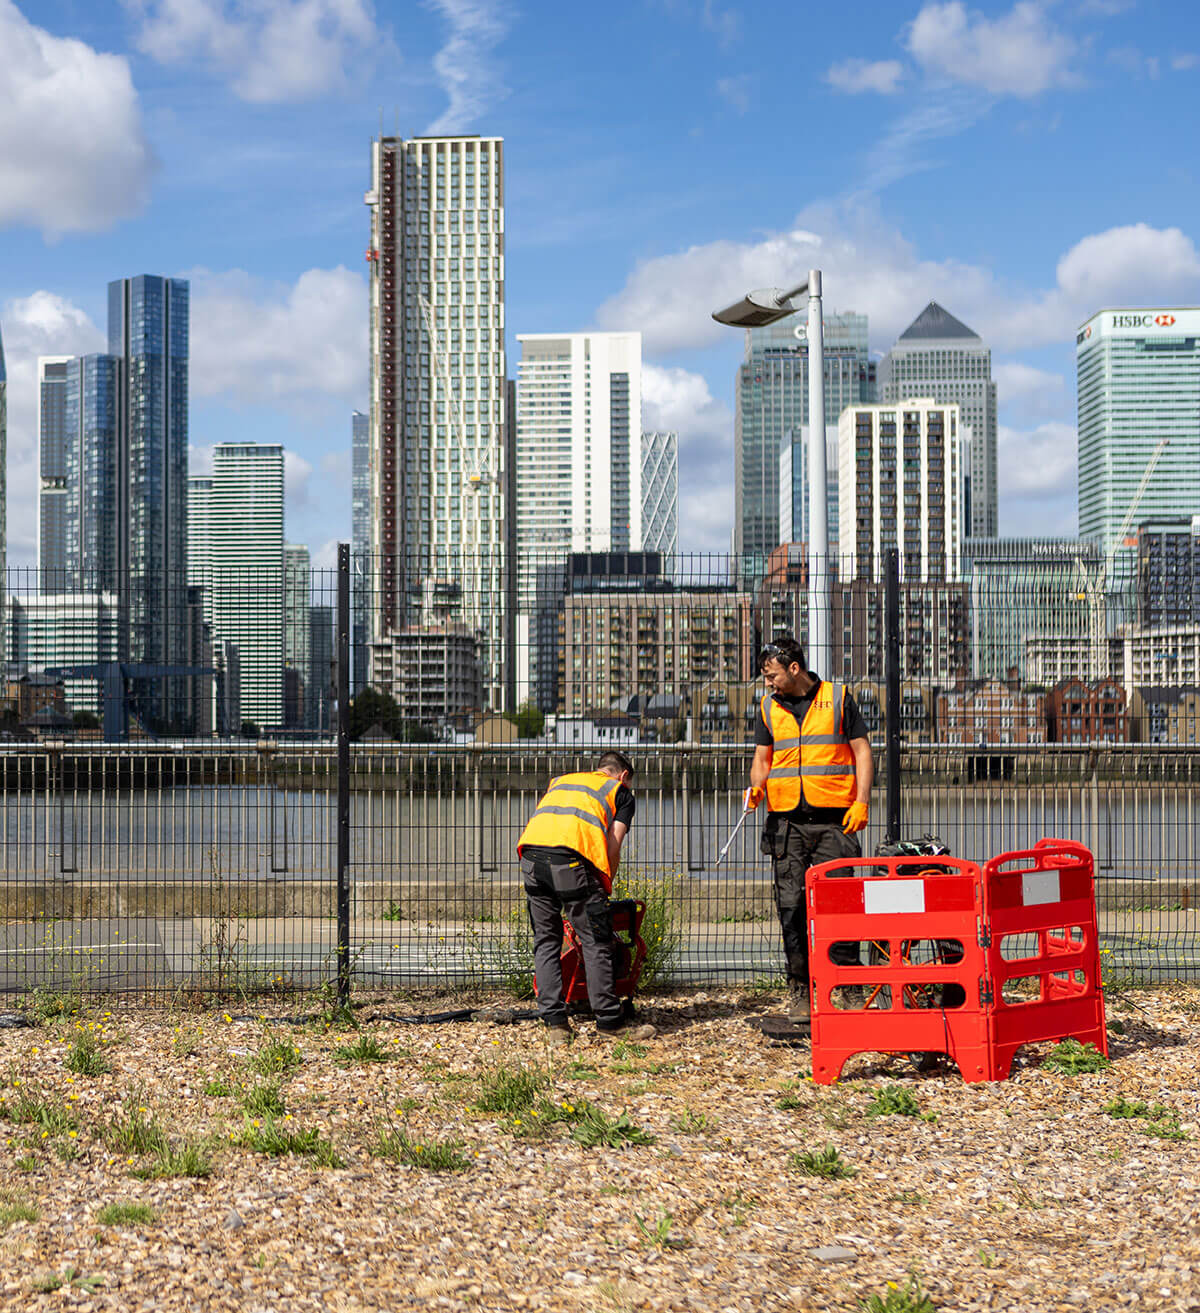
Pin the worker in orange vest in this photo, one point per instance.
(813, 764)
(569, 854)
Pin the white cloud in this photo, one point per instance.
(200, 459)
(296, 474)
(678, 400)
(857, 75)
(735, 91)
(1038, 463)
(254, 342)
(464, 65)
(1135, 62)
(870, 267)
(270, 50)
(1181, 63)
(1018, 54)
(1033, 393)
(39, 325)
(724, 24)
(73, 155)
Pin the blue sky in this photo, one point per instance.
(1022, 163)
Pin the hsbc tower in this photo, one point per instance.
(1138, 373)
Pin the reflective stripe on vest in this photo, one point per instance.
(815, 752)
(576, 812)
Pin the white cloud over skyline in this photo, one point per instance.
(465, 66)
(854, 76)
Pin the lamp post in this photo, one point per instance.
(755, 310)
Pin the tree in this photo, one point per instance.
(250, 730)
(528, 719)
(371, 707)
(85, 720)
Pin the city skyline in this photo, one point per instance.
(1011, 97)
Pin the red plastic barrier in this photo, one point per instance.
(1043, 901)
(904, 909)
(629, 952)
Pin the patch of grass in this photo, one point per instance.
(689, 1122)
(187, 1158)
(907, 1298)
(790, 1099)
(394, 911)
(661, 930)
(595, 1127)
(366, 1048)
(27, 1164)
(826, 1163)
(625, 1049)
(895, 1101)
(658, 1232)
(85, 1057)
(276, 1139)
(396, 1145)
(49, 1004)
(134, 1129)
(30, 1108)
(277, 1056)
(510, 1089)
(1154, 1119)
(220, 1087)
(69, 1276)
(1071, 1058)
(126, 1214)
(17, 1210)
(264, 1101)
(580, 1071)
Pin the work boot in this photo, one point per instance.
(799, 1009)
(558, 1033)
(625, 1023)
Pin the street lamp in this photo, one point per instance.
(755, 310)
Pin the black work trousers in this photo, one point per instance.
(793, 847)
(555, 888)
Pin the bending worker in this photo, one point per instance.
(569, 852)
(813, 764)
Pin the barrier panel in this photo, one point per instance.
(1043, 950)
(920, 989)
(967, 963)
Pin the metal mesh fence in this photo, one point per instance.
(207, 862)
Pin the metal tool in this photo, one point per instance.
(732, 837)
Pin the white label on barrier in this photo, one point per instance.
(893, 896)
(1040, 887)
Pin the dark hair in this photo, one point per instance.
(783, 649)
(615, 761)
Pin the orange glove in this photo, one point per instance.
(855, 818)
(752, 797)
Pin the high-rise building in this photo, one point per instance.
(65, 629)
(321, 650)
(938, 356)
(579, 469)
(794, 524)
(3, 491)
(772, 400)
(660, 493)
(95, 512)
(439, 528)
(246, 573)
(360, 560)
(52, 473)
(199, 538)
(297, 664)
(900, 485)
(1138, 382)
(1168, 571)
(148, 331)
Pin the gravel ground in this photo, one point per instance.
(1024, 1195)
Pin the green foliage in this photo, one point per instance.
(907, 1298)
(276, 1057)
(661, 929)
(218, 1088)
(264, 1100)
(394, 911)
(49, 1004)
(894, 1101)
(85, 1057)
(371, 707)
(689, 1122)
(1155, 1119)
(530, 722)
(134, 1128)
(510, 1089)
(826, 1163)
(29, 1108)
(366, 1048)
(658, 1232)
(69, 1276)
(277, 1139)
(187, 1158)
(126, 1214)
(595, 1127)
(396, 1145)
(17, 1210)
(509, 954)
(1071, 1058)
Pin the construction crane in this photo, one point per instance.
(1095, 582)
(475, 466)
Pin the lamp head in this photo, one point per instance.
(756, 309)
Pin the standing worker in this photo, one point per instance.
(813, 764)
(569, 852)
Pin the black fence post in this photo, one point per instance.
(343, 776)
(891, 620)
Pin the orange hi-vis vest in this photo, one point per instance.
(812, 761)
(577, 811)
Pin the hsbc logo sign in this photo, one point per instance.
(1149, 319)
(1164, 321)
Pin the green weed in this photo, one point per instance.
(188, 1158)
(394, 911)
(1071, 1058)
(17, 1211)
(894, 1101)
(134, 1129)
(218, 1088)
(909, 1298)
(366, 1048)
(826, 1163)
(274, 1138)
(688, 1122)
(276, 1057)
(264, 1100)
(1155, 1119)
(510, 1089)
(69, 1276)
(396, 1145)
(658, 1232)
(85, 1057)
(126, 1214)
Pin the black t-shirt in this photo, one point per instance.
(625, 805)
(853, 727)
